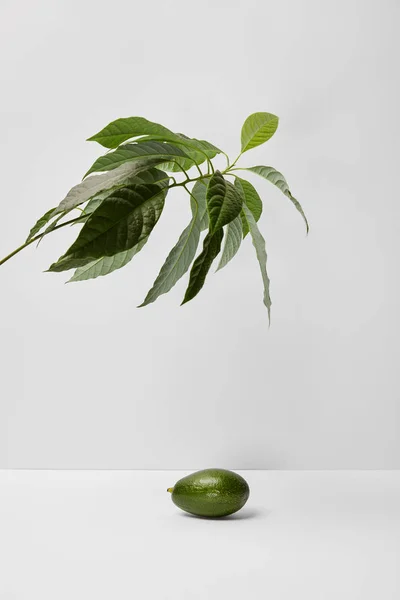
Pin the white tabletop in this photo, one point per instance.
(116, 535)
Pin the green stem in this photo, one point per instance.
(227, 160)
(188, 180)
(229, 167)
(183, 171)
(191, 195)
(199, 170)
(37, 237)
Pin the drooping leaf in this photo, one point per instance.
(252, 199)
(133, 152)
(259, 245)
(106, 264)
(275, 177)
(40, 223)
(119, 131)
(202, 264)
(181, 255)
(199, 192)
(121, 221)
(223, 201)
(232, 241)
(118, 177)
(257, 129)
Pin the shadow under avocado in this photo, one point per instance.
(241, 515)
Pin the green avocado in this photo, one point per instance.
(211, 493)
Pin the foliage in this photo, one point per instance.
(123, 194)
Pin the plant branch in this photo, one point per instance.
(77, 219)
(193, 180)
(37, 237)
(227, 159)
(234, 162)
(199, 170)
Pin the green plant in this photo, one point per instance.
(122, 200)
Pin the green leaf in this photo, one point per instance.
(179, 165)
(199, 192)
(121, 221)
(149, 176)
(210, 150)
(233, 239)
(257, 129)
(95, 202)
(259, 245)
(119, 131)
(252, 199)
(40, 224)
(223, 202)
(132, 152)
(180, 257)
(198, 151)
(275, 177)
(106, 264)
(202, 264)
(119, 177)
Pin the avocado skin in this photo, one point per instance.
(211, 493)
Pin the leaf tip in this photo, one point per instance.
(92, 138)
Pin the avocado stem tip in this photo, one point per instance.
(170, 490)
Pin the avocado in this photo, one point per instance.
(211, 493)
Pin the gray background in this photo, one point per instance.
(89, 381)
